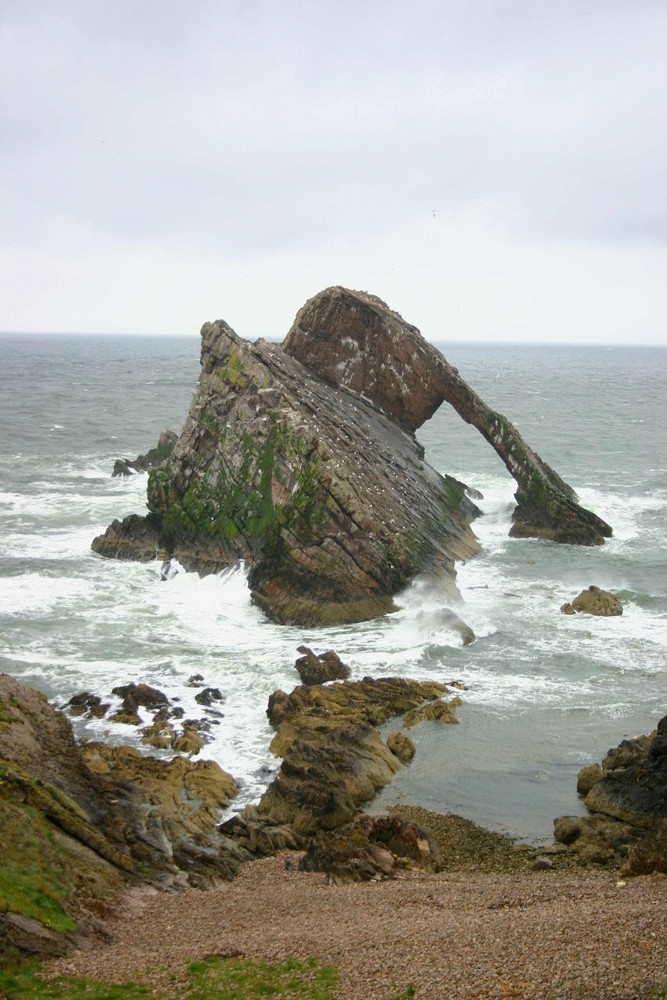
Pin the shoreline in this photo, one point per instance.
(555, 935)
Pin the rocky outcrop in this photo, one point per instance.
(627, 797)
(354, 340)
(79, 823)
(301, 460)
(177, 804)
(373, 847)
(594, 601)
(333, 756)
(401, 745)
(153, 459)
(437, 711)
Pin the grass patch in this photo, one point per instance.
(31, 881)
(229, 979)
(25, 982)
(214, 978)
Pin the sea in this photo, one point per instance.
(545, 693)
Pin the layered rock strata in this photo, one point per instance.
(301, 460)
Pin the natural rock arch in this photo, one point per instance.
(355, 340)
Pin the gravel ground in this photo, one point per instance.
(548, 934)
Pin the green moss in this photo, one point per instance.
(233, 372)
(160, 491)
(453, 492)
(225, 504)
(229, 979)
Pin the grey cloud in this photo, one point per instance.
(245, 126)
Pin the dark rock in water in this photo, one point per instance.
(446, 618)
(594, 601)
(153, 459)
(137, 696)
(302, 461)
(169, 569)
(88, 705)
(372, 847)
(318, 669)
(208, 696)
(627, 797)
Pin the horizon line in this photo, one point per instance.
(278, 339)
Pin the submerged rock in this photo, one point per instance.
(301, 460)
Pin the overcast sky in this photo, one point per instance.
(493, 170)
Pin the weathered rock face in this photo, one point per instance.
(353, 339)
(627, 796)
(372, 847)
(177, 802)
(326, 498)
(76, 824)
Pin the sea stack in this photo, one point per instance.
(301, 460)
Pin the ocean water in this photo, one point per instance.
(546, 693)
